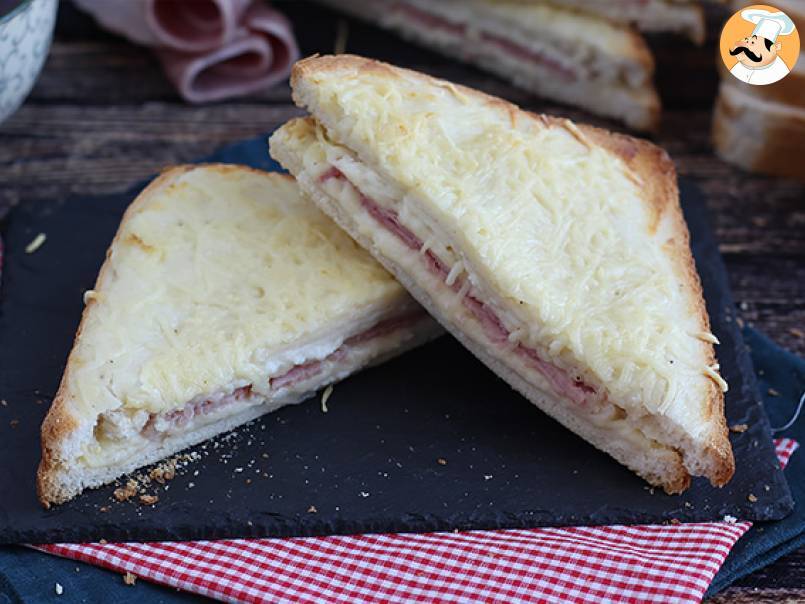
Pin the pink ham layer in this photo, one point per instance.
(431, 20)
(561, 382)
(181, 417)
(210, 49)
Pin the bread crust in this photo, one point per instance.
(649, 164)
(60, 422)
(778, 132)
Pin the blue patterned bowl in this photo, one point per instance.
(26, 28)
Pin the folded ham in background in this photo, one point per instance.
(210, 49)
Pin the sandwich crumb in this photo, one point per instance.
(37, 242)
(797, 333)
(730, 519)
(441, 461)
(325, 397)
(89, 296)
(59, 589)
(773, 392)
(129, 578)
(126, 492)
(163, 472)
(264, 456)
(103, 542)
(675, 521)
(148, 499)
(14, 423)
(751, 498)
(103, 509)
(312, 510)
(739, 428)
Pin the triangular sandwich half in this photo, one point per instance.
(676, 16)
(573, 57)
(225, 295)
(557, 253)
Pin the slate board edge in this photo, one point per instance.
(309, 525)
(718, 273)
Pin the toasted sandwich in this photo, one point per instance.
(225, 295)
(684, 17)
(572, 57)
(757, 134)
(557, 253)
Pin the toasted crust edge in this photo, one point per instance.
(657, 174)
(60, 422)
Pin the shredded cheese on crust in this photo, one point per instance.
(560, 224)
(207, 281)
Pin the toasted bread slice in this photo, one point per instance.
(557, 253)
(684, 17)
(573, 57)
(759, 135)
(224, 295)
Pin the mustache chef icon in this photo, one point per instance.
(758, 61)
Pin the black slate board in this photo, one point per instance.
(371, 464)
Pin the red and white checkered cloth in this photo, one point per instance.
(647, 563)
(652, 563)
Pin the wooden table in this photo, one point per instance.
(102, 117)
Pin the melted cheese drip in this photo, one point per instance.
(217, 280)
(557, 225)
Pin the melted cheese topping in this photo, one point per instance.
(221, 278)
(542, 19)
(556, 225)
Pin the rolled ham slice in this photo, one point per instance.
(197, 25)
(210, 49)
(261, 55)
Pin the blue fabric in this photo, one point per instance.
(29, 576)
(767, 541)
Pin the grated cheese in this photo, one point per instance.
(210, 280)
(538, 216)
(37, 242)
(326, 397)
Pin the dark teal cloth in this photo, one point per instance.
(28, 576)
(767, 541)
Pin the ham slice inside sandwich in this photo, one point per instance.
(560, 380)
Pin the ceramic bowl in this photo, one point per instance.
(26, 27)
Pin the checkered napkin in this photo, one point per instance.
(651, 563)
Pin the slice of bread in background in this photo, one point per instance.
(684, 17)
(575, 58)
(759, 135)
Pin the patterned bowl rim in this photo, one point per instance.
(15, 11)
